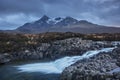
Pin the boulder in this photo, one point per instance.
(103, 66)
(5, 58)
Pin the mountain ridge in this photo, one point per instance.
(67, 24)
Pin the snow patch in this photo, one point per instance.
(54, 21)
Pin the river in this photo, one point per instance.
(43, 70)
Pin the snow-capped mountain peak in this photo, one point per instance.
(64, 24)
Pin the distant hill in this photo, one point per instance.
(68, 24)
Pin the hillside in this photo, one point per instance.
(67, 24)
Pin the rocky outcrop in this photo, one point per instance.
(57, 49)
(104, 66)
(60, 48)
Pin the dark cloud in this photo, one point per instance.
(14, 13)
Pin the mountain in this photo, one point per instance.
(67, 24)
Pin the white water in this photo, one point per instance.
(115, 43)
(115, 70)
(58, 65)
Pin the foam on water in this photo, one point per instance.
(58, 65)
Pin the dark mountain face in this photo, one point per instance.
(59, 24)
(44, 18)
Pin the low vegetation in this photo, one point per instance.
(16, 42)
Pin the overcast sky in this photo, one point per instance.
(14, 13)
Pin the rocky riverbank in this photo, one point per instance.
(104, 66)
(56, 49)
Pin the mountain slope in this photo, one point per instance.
(59, 24)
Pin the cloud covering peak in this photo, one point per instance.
(14, 13)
